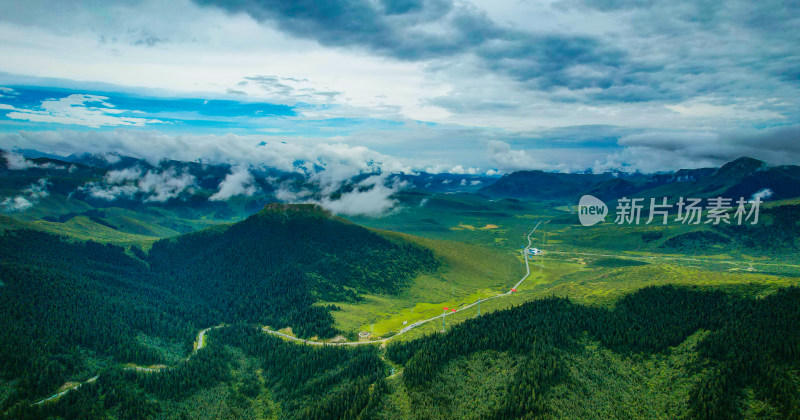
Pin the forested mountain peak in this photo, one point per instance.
(741, 167)
(271, 267)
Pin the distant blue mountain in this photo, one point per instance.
(742, 177)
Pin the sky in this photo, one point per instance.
(406, 85)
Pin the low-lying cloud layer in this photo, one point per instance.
(239, 182)
(659, 151)
(29, 197)
(17, 162)
(324, 162)
(370, 197)
(328, 166)
(151, 185)
(662, 151)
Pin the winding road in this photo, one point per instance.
(200, 340)
(418, 323)
(201, 336)
(52, 397)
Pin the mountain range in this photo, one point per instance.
(743, 177)
(74, 185)
(69, 303)
(157, 301)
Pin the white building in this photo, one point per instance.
(534, 251)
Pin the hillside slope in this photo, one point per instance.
(73, 307)
(273, 266)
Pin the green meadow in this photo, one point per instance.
(479, 242)
(595, 265)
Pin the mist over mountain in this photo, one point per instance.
(111, 180)
(84, 182)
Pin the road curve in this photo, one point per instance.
(418, 323)
(202, 334)
(200, 344)
(52, 397)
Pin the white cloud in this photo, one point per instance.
(165, 185)
(239, 182)
(109, 37)
(29, 197)
(111, 192)
(286, 193)
(370, 197)
(179, 48)
(17, 203)
(325, 163)
(762, 194)
(461, 170)
(153, 186)
(16, 161)
(193, 38)
(111, 158)
(507, 159)
(121, 176)
(75, 110)
(327, 166)
(37, 190)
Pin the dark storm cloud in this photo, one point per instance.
(434, 29)
(544, 61)
(659, 150)
(386, 28)
(776, 140)
(694, 44)
(754, 14)
(394, 7)
(568, 67)
(765, 16)
(763, 34)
